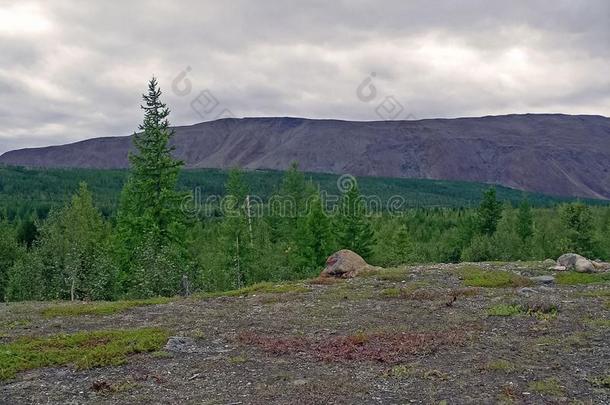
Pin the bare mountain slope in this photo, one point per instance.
(554, 154)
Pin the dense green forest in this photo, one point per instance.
(29, 192)
(90, 234)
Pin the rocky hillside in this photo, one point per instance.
(553, 154)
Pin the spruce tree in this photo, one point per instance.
(295, 196)
(10, 252)
(354, 231)
(578, 228)
(238, 237)
(525, 221)
(151, 222)
(294, 190)
(490, 212)
(315, 238)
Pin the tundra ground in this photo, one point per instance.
(428, 334)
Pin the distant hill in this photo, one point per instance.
(546, 153)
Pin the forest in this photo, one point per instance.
(142, 233)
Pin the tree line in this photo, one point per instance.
(153, 247)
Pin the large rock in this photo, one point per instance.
(344, 264)
(572, 261)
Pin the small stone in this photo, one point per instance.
(301, 381)
(181, 344)
(527, 290)
(543, 279)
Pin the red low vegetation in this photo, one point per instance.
(382, 347)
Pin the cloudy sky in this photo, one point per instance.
(73, 69)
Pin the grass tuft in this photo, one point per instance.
(550, 386)
(83, 350)
(99, 308)
(395, 275)
(504, 366)
(601, 323)
(477, 277)
(601, 382)
(400, 371)
(325, 281)
(259, 288)
(505, 310)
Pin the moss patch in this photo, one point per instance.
(477, 277)
(572, 277)
(505, 310)
(83, 350)
(98, 308)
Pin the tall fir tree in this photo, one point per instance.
(354, 232)
(151, 222)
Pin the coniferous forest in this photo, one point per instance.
(165, 232)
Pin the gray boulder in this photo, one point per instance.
(344, 264)
(572, 261)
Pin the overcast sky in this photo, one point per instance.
(74, 69)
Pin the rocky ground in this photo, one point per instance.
(415, 334)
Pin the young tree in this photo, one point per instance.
(88, 269)
(490, 212)
(70, 260)
(354, 231)
(577, 223)
(525, 221)
(236, 227)
(10, 252)
(295, 196)
(315, 238)
(150, 216)
(295, 191)
(27, 233)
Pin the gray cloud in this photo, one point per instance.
(70, 70)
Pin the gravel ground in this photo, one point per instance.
(356, 341)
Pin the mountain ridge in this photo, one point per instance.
(555, 154)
